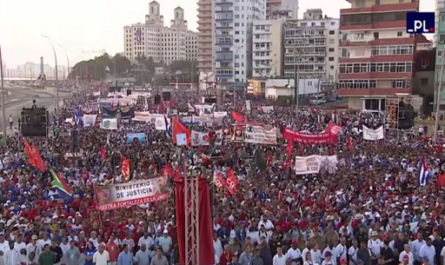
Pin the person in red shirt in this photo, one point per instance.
(113, 250)
(226, 256)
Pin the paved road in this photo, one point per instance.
(22, 97)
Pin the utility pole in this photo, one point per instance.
(439, 89)
(296, 79)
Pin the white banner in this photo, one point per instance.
(203, 120)
(267, 109)
(89, 120)
(201, 109)
(373, 134)
(143, 116)
(160, 123)
(219, 114)
(108, 124)
(199, 138)
(116, 196)
(259, 135)
(314, 164)
(219, 137)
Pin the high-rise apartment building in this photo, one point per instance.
(311, 46)
(154, 39)
(205, 35)
(233, 25)
(376, 53)
(267, 48)
(439, 5)
(282, 9)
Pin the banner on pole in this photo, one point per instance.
(314, 164)
(121, 195)
(257, 134)
(373, 134)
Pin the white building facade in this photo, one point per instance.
(267, 48)
(233, 22)
(311, 46)
(154, 39)
(439, 5)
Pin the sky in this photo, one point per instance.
(85, 28)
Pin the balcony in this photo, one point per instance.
(224, 44)
(224, 59)
(223, 3)
(205, 15)
(351, 92)
(223, 27)
(223, 11)
(204, 27)
(224, 19)
(224, 52)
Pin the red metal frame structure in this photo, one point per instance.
(191, 200)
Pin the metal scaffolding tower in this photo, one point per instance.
(191, 200)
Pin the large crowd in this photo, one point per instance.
(370, 210)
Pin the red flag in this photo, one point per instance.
(230, 174)
(125, 168)
(102, 152)
(289, 147)
(302, 149)
(38, 162)
(441, 180)
(237, 116)
(29, 152)
(231, 183)
(179, 128)
(167, 171)
(219, 181)
(350, 147)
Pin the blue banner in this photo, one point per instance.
(136, 138)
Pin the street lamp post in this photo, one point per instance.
(234, 79)
(57, 78)
(3, 96)
(67, 61)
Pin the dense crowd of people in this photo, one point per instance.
(371, 210)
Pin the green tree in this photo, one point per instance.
(185, 71)
(100, 66)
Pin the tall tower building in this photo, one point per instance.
(233, 48)
(205, 35)
(439, 5)
(154, 39)
(282, 9)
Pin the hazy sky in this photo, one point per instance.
(86, 27)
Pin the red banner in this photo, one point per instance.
(323, 138)
(219, 181)
(231, 183)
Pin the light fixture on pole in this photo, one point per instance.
(57, 78)
(234, 79)
(67, 61)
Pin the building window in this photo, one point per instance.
(399, 34)
(442, 17)
(331, 59)
(442, 39)
(331, 50)
(332, 32)
(376, 35)
(424, 81)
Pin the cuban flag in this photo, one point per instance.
(78, 117)
(424, 173)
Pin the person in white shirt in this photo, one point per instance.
(328, 259)
(267, 224)
(279, 258)
(306, 250)
(308, 259)
(43, 241)
(4, 246)
(316, 254)
(101, 257)
(342, 249)
(294, 254)
(147, 240)
(32, 247)
(416, 245)
(217, 248)
(333, 251)
(428, 252)
(19, 245)
(407, 252)
(375, 245)
(11, 255)
(352, 253)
